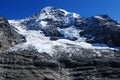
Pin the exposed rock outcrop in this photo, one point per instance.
(31, 65)
(101, 29)
(8, 36)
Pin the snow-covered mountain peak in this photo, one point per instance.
(53, 27)
(50, 17)
(50, 11)
(56, 14)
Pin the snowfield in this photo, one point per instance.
(43, 44)
(39, 41)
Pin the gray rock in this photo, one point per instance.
(103, 30)
(31, 65)
(8, 36)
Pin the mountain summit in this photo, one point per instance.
(59, 24)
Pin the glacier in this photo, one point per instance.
(42, 43)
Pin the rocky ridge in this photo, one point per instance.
(31, 65)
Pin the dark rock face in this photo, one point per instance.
(103, 30)
(92, 69)
(8, 36)
(31, 65)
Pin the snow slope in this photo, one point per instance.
(99, 17)
(43, 44)
(38, 40)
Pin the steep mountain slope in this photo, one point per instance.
(57, 23)
(62, 45)
(84, 65)
(8, 36)
(101, 29)
(53, 27)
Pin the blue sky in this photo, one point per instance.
(17, 9)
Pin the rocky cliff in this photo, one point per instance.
(8, 36)
(31, 65)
